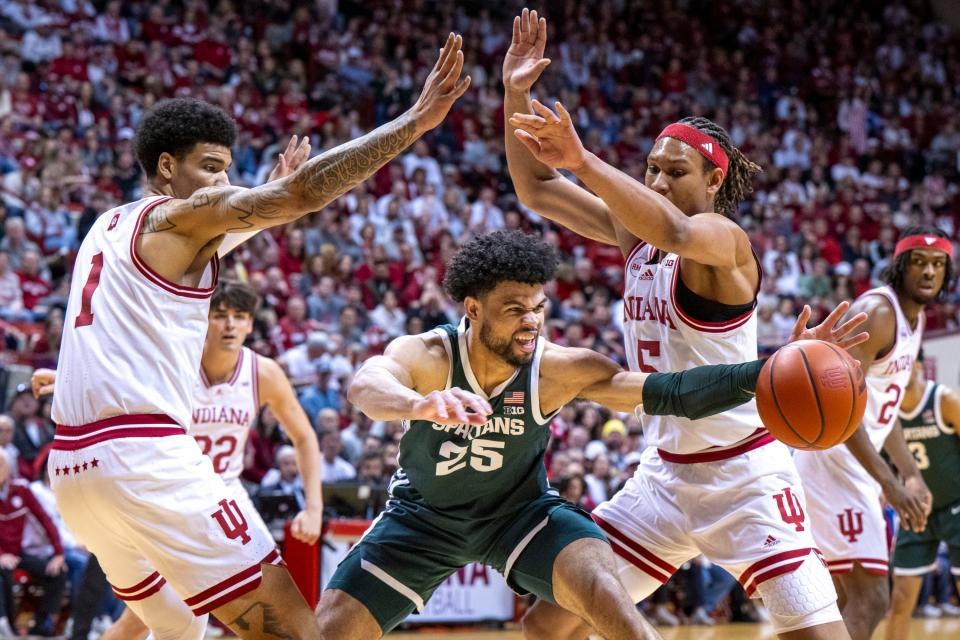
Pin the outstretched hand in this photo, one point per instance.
(291, 158)
(450, 407)
(550, 137)
(524, 61)
(828, 331)
(442, 87)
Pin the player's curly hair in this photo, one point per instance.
(738, 183)
(892, 274)
(235, 295)
(175, 126)
(486, 261)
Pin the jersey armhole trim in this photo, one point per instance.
(156, 278)
(535, 409)
(630, 256)
(938, 411)
(255, 382)
(924, 399)
(445, 337)
(709, 327)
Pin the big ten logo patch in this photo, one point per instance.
(791, 509)
(232, 521)
(851, 524)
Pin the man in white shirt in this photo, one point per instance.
(333, 467)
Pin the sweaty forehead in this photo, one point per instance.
(672, 151)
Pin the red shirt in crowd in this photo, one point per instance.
(34, 288)
(16, 501)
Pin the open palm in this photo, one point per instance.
(524, 61)
(830, 330)
(550, 137)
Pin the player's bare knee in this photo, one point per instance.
(340, 616)
(533, 625)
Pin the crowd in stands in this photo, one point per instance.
(849, 106)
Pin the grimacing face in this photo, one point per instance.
(509, 320)
(204, 166)
(924, 275)
(676, 171)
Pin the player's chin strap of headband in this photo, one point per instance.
(707, 146)
(921, 241)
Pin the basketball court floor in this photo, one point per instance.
(943, 629)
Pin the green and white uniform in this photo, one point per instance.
(936, 447)
(466, 494)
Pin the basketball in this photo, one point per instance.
(811, 395)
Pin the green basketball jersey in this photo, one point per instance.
(935, 446)
(478, 471)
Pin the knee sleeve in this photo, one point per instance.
(802, 598)
(168, 617)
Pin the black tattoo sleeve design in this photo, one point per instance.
(324, 178)
(264, 621)
(158, 220)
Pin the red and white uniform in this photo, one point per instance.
(129, 481)
(222, 417)
(845, 506)
(720, 486)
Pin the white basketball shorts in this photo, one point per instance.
(845, 510)
(745, 512)
(138, 492)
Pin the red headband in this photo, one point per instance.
(924, 242)
(707, 146)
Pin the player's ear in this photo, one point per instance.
(471, 307)
(166, 166)
(714, 180)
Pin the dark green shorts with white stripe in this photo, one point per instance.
(412, 549)
(916, 553)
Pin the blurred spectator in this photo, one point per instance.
(16, 501)
(285, 477)
(30, 434)
(334, 468)
(15, 242)
(36, 541)
(11, 295)
(371, 470)
(301, 363)
(6, 444)
(321, 394)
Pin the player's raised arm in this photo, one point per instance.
(407, 383)
(707, 238)
(909, 499)
(539, 186)
(276, 392)
(213, 212)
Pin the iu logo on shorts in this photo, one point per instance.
(237, 525)
(790, 508)
(851, 524)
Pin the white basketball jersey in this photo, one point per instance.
(131, 339)
(223, 414)
(660, 336)
(888, 376)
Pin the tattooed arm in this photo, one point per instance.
(210, 213)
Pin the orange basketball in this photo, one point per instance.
(811, 395)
